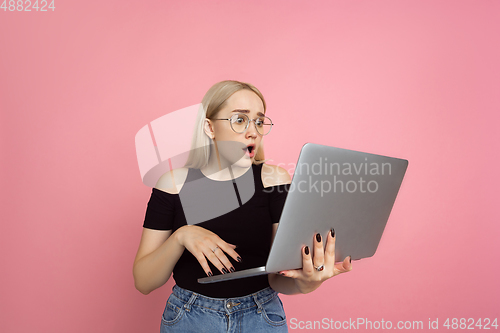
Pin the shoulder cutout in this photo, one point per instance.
(172, 181)
(273, 175)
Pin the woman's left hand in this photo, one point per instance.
(318, 265)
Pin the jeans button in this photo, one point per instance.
(229, 306)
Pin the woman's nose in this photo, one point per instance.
(252, 129)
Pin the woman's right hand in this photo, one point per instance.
(204, 244)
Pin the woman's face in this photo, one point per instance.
(234, 147)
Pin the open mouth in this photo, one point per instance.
(250, 149)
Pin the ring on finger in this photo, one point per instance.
(215, 249)
(319, 268)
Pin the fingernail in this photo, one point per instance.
(333, 232)
(232, 269)
(238, 258)
(318, 237)
(306, 250)
(350, 259)
(209, 274)
(225, 271)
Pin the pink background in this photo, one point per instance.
(418, 80)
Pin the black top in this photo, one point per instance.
(248, 225)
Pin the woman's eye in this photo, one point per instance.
(240, 120)
(259, 122)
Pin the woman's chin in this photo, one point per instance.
(243, 162)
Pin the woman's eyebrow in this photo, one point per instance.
(248, 111)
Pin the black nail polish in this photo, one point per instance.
(350, 259)
(209, 274)
(232, 269)
(306, 250)
(238, 258)
(318, 237)
(225, 271)
(332, 232)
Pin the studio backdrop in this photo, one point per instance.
(418, 80)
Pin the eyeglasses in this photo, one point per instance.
(240, 122)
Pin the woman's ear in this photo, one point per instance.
(209, 128)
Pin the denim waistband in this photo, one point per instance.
(225, 305)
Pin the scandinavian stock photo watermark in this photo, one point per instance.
(165, 145)
(381, 324)
(27, 6)
(326, 176)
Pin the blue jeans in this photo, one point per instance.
(187, 311)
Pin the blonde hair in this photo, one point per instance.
(213, 102)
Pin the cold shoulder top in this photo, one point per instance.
(247, 224)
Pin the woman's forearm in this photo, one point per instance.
(153, 270)
(283, 284)
(288, 286)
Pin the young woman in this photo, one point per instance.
(212, 233)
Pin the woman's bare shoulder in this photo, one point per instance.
(273, 175)
(172, 181)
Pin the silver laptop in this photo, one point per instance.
(350, 191)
